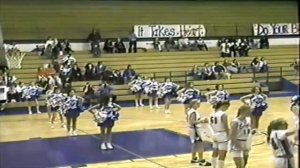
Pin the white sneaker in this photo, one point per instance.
(63, 125)
(151, 108)
(29, 112)
(141, 104)
(74, 133)
(167, 111)
(70, 133)
(157, 107)
(103, 146)
(136, 105)
(109, 146)
(38, 112)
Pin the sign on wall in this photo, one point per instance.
(152, 31)
(276, 29)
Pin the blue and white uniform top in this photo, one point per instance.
(153, 87)
(137, 85)
(32, 92)
(146, 86)
(189, 94)
(168, 87)
(295, 101)
(71, 103)
(218, 96)
(257, 101)
(107, 113)
(56, 99)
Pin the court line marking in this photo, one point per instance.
(125, 150)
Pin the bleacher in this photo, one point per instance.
(175, 65)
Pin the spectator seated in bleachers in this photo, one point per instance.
(8, 79)
(65, 73)
(90, 72)
(296, 66)
(119, 46)
(199, 44)
(39, 50)
(183, 43)
(76, 74)
(66, 48)
(170, 44)
(69, 60)
(254, 65)
(156, 45)
(220, 71)
(105, 90)
(108, 46)
(89, 93)
(128, 74)
(237, 65)
(100, 68)
(196, 73)
(207, 72)
(117, 77)
(263, 65)
(229, 67)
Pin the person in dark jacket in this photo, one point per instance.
(94, 38)
(100, 68)
(89, 93)
(120, 46)
(89, 71)
(76, 74)
(128, 74)
(108, 46)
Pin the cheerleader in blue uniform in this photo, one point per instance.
(153, 88)
(187, 94)
(218, 95)
(138, 90)
(168, 93)
(295, 103)
(72, 106)
(55, 102)
(105, 115)
(31, 95)
(258, 105)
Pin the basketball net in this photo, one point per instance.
(14, 60)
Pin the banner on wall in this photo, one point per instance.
(152, 31)
(276, 29)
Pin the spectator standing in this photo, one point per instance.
(132, 42)
(199, 44)
(170, 44)
(183, 43)
(157, 45)
(296, 66)
(108, 46)
(89, 93)
(224, 47)
(264, 42)
(94, 38)
(120, 46)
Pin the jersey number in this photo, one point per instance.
(213, 120)
(247, 131)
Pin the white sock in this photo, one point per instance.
(221, 163)
(214, 162)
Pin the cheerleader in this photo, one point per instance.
(258, 105)
(194, 122)
(105, 115)
(49, 93)
(187, 94)
(219, 94)
(137, 89)
(220, 134)
(71, 108)
(55, 102)
(153, 93)
(168, 93)
(295, 102)
(31, 95)
(240, 137)
(277, 137)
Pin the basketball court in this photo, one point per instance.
(142, 138)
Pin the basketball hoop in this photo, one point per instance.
(14, 60)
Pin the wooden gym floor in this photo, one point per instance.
(24, 127)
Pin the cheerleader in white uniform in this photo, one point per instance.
(168, 93)
(220, 134)
(55, 102)
(240, 137)
(187, 94)
(295, 102)
(220, 94)
(105, 115)
(72, 107)
(153, 88)
(194, 122)
(277, 137)
(258, 105)
(137, 89)
(31, 95)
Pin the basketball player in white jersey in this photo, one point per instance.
(240, 135)
(295, 102)
(194, 128)
(277, 137)
(220, 134)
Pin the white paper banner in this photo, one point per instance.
(152, 31)
(276, 29)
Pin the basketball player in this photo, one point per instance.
(258, 105)
(240, 132)
(168, 91)
(31, 94)
(3, 96)
(72, 108)
(153, 93)
(137, 89)
(55, 101)
(295, 102)
(188, 94)
(220, 94)
(105, 115)
(220, 134)
(194, 126)
(277, 137)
